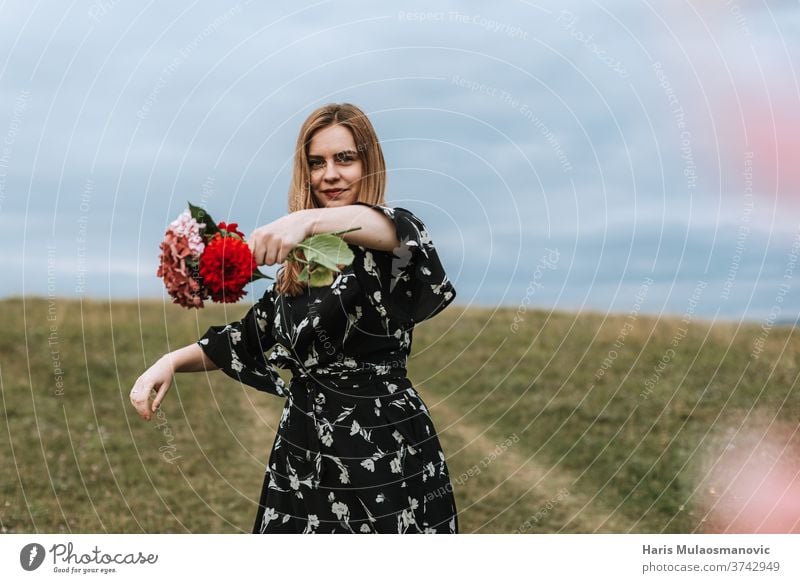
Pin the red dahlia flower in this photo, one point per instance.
(227, 266)
(231, 228)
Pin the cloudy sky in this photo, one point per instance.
(605, 156)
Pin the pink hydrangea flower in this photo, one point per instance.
(179, 278)
(188, 227)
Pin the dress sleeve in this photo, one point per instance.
(238, 348)
(408, 284)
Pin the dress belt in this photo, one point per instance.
(345, 378)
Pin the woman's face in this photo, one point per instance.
(335, 167)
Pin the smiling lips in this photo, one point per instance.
(334, 193)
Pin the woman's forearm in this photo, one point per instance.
(377, 230)
(190, 358)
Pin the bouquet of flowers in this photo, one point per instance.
(201, 259)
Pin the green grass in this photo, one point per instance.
(589, 455)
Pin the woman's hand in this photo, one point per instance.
(271, 243)
(159, 378)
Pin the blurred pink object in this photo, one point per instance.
(754, 486)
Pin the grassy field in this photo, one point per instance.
(561, 423)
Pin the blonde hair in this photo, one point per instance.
(372, 184)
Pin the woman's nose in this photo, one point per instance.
(331, 172)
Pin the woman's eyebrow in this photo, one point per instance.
(336, 154)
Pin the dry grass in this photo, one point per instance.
(587, 454)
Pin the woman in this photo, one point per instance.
(356, 450)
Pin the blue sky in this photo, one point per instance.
(639, 141)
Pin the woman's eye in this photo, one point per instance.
(316, 163)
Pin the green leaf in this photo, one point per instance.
(303, 275)
(201, 216)
(321, 277)
(327, 250)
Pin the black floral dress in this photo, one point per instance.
(356, 450)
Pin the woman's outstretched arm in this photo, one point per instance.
(190, 358)
(377, 230)
(271, 243)
(159, 377)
